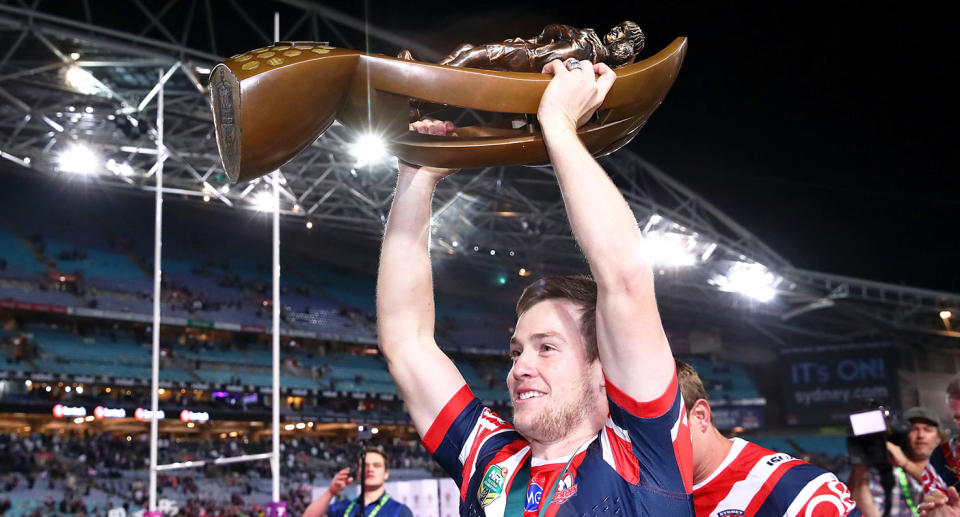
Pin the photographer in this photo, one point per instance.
(887, 490)
(376, 501)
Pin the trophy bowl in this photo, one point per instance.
(269, 104)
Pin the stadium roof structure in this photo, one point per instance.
(87, 73)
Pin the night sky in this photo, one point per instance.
(826, 130)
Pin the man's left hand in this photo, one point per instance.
(573, 95)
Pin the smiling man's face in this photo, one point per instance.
(553, 388)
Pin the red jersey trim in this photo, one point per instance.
(652, 409)
(445, 419)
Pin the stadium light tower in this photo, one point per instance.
(749, 279)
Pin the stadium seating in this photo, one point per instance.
(21, 263)
(724, 381)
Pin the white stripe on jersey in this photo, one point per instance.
(607, 447)
(681, 417)
(738, 445)
(488, 421)
(804, 496)
(468, 444)
(511, 464)
(743, 491)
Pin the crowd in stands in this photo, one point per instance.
(111, 471)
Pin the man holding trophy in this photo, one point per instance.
(599, 423)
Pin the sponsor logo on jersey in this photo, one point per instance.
(534, 493)
(731, 513)
(491, 486)
(566, 488)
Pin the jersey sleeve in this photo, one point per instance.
(649, 443)
(465, 435)
(807, 490)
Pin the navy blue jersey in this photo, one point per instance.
(639, 463)
(391, 508)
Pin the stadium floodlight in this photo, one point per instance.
(945, 315)
(369, 149)
(669, 244)
(263, 201)
(670, 249)
(120, 169)
(750, 279)
(81, 80)
(78, 159)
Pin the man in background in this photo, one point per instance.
(739, 478)
(376, 500)
(891, 490)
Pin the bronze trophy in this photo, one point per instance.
(271, 103)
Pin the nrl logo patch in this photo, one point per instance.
(491, 486)
(731, 513)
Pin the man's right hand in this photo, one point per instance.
(429, 127)
(340, 481)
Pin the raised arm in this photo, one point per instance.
(427, 378)
(319, 507)
(634, 352)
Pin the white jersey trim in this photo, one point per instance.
(537, 462)
(738, 445)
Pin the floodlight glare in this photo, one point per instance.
(120, 169)
(670, 249)
(81, 80)
(945, 315)
(369, 149)
(749, 279)
(263, 201)
(78, 159)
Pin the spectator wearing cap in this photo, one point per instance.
(941, 471)
(896, 490)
